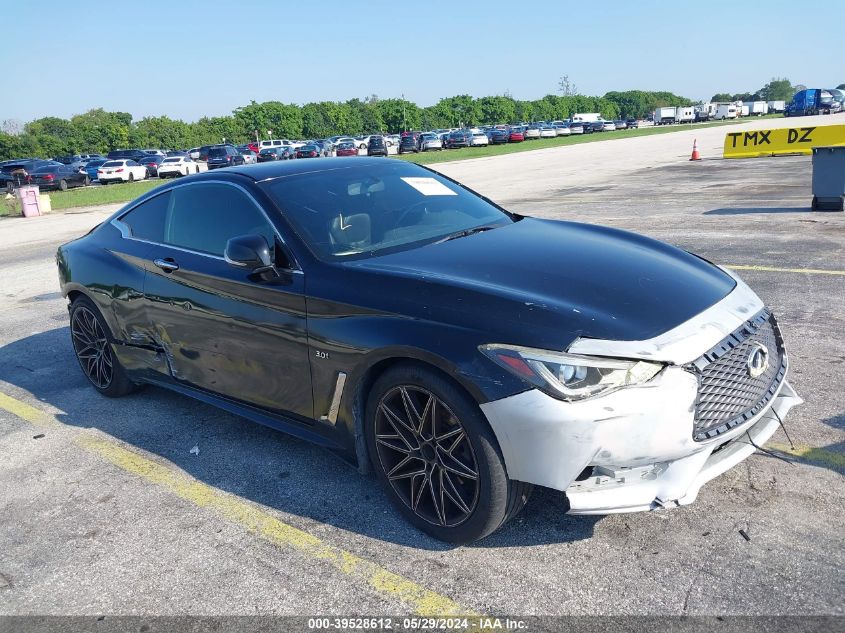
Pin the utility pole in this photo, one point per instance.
(404, 123)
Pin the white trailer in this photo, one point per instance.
(685, 114)
(725, 111)
(664, 115)
(756, 108)
(744, 110)
(777, 106)
(587, 117)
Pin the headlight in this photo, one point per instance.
(570, 376)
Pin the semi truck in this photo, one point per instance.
(811, 101)
(664, 115)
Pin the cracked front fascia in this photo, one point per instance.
(686, 342)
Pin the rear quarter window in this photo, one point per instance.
(146, 221)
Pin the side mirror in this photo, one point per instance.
(249, 251)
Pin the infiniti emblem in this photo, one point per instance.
(758, 360)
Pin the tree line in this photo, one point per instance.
(778, 89)
(100, 131)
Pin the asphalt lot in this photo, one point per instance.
(111, 512)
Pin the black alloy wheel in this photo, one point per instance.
(437, 457)
(425, 452)
(92, 345)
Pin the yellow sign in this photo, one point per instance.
(788, 140)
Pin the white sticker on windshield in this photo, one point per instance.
(430, 187)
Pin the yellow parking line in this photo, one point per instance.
(383, 582)
(773, 269)
(811, 454)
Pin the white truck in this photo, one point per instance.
(587, 117)
(756, 108)
(664, 115)
(684, 114)
(725, 111)
(705, 111)
(777, 106)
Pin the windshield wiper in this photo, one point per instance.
(465, 233)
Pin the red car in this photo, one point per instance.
(254, 147)
(516, 136)
(346, 149)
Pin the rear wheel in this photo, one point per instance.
(434, 452)
(63, 184)
(86, 182)
(92, 343)
(131, 177)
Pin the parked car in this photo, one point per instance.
(620, 124)
(200, 153)
(346, 149)
(123, 170)
(177, 152)
(59, 176)
(308, 151)
(15, 173)
(594, 126)
(268, 154)
(458, 138)
(632, 124)
(548, 131)
(151, 162)
(576, 127)
(562, 129)
(156, 152)
(409, 143)
(498, 136)
(131, 154)
(627, 403)
(224, 156)
(177, 166)
(250, 157)
(92, 166)
(430, 141)
(516, 135)
(75, 161)
(608, 126)
(479, 138)
(376, 146)
(531, 132)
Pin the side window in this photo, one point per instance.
(146, 221)
(203, 217)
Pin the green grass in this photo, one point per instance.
(464, 153)
(124, 192)
(96, 195)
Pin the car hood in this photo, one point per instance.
(555, 281)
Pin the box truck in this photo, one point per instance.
(587, 117)
(664, 115)
(725, 111)
(777, 106)
(756, 108)
(684, 114)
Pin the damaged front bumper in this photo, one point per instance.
(634, 449)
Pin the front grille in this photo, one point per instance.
(727, 393)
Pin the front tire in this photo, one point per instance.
(437, 456)
(92, 344)
(131, 177)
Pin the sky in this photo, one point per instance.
(192, 58)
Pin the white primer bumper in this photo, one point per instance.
(639, 441)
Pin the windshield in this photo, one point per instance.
(364, 211)
(113, 163)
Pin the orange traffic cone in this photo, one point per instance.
(695, 153)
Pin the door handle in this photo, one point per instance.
(167, 265)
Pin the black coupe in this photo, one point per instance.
(463, 352)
